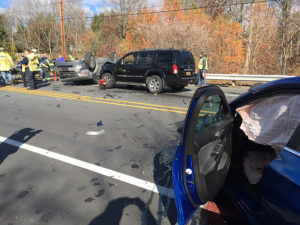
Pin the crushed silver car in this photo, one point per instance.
(83, 69)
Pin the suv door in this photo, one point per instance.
(202, 160)
(124, 70)
(141, 67)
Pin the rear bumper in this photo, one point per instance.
(181, 80)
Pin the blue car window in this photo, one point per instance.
(211, 112)
(294, 142)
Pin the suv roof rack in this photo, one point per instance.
(155, 49)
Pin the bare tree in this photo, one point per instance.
(125, 7)
(37, 24)
(284, 8)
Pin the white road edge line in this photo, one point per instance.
(91, 167)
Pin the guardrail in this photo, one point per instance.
(244, 77)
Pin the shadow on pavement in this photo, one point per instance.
(42, 84)
(114, 211)
(145, 89)
(163, 177)
(22, 136)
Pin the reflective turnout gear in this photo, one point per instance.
(33, 62)
(202, 64)
(47, 64)
(6, 61)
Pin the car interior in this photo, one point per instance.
(249, 159)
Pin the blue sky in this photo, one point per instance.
(4, 4)
(91, 6)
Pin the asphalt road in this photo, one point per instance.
(137, 140)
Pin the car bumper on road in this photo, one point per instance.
(70, 76)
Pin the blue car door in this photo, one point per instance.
(281, 185)
(202, 160)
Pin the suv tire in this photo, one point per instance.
(110, 80)
(90, 61)
(178, 87)
(155, 84)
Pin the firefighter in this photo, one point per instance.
(25, 67)
(46, 66)
(43, 57)
(33, 63)
(6, 63)
(71, 58)
(202, 66)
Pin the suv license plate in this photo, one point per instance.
(188, 73)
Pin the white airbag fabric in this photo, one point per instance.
(271, 121)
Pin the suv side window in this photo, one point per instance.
(142, 58)
(129, 59)
(164, 57)
(150, 58)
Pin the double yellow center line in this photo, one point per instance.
(82, 98)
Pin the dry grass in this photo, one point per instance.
(228, 83)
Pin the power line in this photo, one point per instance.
(175, 10)
(241, 2)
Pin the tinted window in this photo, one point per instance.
(211, 112)
(294, 142)
(165, 57)
(130, 59)
(150, 57)
(142, 58)
(187, 58)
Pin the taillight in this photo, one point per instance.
(175, 69)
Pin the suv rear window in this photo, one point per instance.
(187, 58)
(164, 57)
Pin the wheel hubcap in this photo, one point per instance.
(107, 79)
(154, 84)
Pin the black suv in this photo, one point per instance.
(156, 68)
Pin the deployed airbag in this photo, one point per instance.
(271, 121)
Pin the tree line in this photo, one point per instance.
(261, 37)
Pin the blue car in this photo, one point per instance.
(212, 155)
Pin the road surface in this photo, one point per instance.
(55, 170)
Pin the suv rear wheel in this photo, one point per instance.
(155, 84)
(110, 80)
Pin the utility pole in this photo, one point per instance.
(62, 30)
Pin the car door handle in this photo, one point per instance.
(218, 151)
